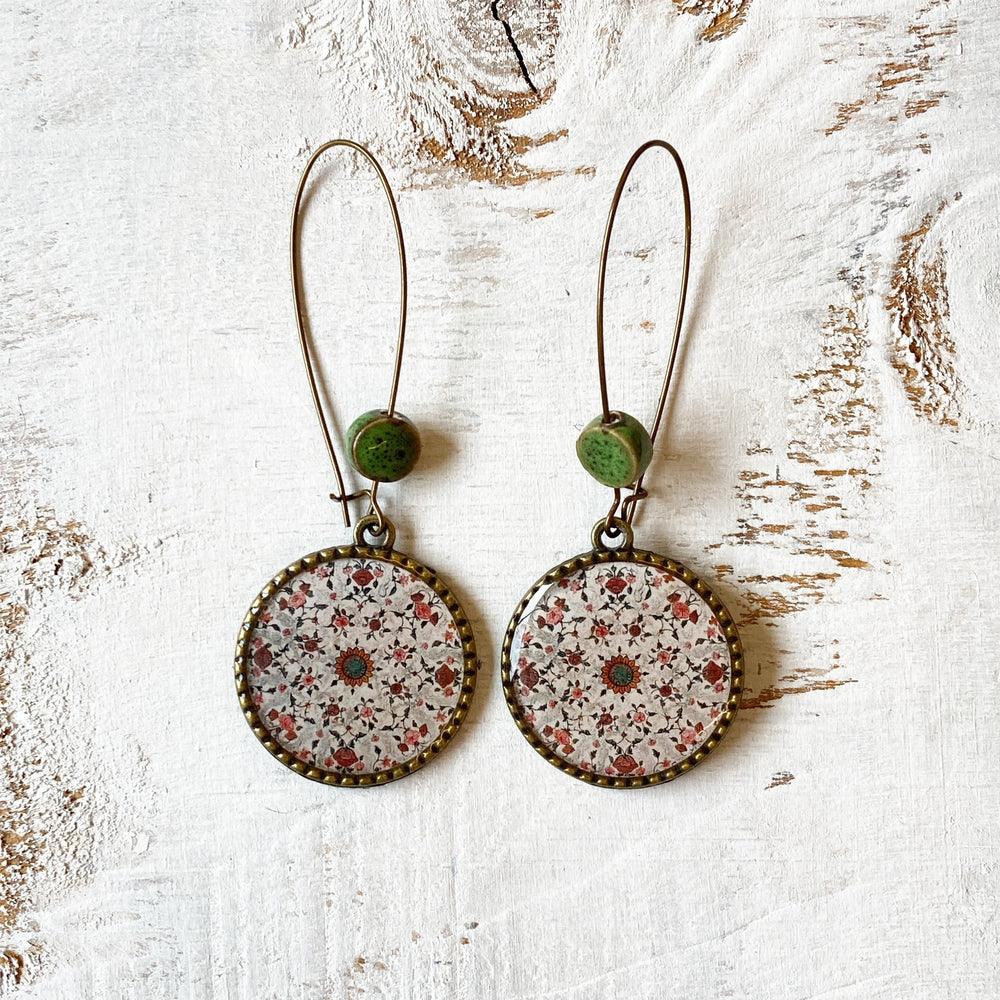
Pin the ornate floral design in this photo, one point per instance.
(354, 666)
(619, 668)
(620, 674)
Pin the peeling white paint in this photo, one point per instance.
(161, 461)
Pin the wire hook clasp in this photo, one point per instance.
(628, 505)
(342, 496)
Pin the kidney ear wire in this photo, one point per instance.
(380, 522)
(623, 510)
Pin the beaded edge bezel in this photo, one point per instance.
(469, 672)
(680, 572)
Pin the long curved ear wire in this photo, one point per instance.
(609, 609)
(626, 429)
(379, 522)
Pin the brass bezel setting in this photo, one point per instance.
(702, 589)
(450, 728)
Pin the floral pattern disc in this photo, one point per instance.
(355, 665)
(620, 669)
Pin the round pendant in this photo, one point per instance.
(622, 668)
(355, 666)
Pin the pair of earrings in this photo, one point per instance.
(356, 665)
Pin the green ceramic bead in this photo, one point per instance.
(381, 447)
(616, 453)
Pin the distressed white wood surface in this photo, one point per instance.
(831, 460)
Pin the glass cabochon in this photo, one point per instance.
(622, 669)
(354, 666)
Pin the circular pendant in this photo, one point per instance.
(355, 666)
(622, 668)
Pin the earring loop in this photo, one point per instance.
(628, 506)
(342, 496)
(620, 666)
(356, 664)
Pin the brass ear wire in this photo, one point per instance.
(628, 505)
(342, 497)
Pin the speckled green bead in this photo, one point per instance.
(616, 453)
(381, 447)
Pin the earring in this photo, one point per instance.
(356, 665)
(620, 666)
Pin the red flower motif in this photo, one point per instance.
(625, 764)
(528, 677)
(262, 657)
(444, 676)
(713, 673)
(423, 610)
(363, 577)
(345, 757)
(616, 584)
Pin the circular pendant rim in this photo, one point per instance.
(646, 558)
(470, 666)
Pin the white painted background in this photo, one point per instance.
(830, 461)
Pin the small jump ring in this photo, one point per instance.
(375, 527)
(612, 534)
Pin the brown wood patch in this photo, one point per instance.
(923, 351)
(908, 65)
(50, 834)
(455, 78)
(721, 18)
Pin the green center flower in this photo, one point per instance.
(354, 666)
(622, 675)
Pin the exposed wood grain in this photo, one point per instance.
(51, 837)
(722, 17)
(924, 353)
(461, 76)
(907, 68)
(801, 681)
(781, 778)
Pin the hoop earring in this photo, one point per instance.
(620, 666)
(356, 665)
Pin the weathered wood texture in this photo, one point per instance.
(830, 459)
